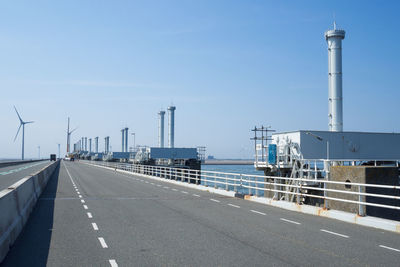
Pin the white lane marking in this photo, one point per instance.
(195, 195)
(152, 183)
(258, 212)
(146, 182)
(158, 185)
(235, 206)
(173, 189)
(83, 201)
(113, 263)
(85, 207)
(394, 249)
(80, 196)
(78, 193)
(333, 233)
(89, 215)
(103, 242)
(95, 227)
(289, 221)
(214, 200)
(184, 192)
(166, 187)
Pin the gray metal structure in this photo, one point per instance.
(122, 140)
(96, 144)
(90, 145)
(161, 128)
(334, 39)
(22, 123)
(171, 126)
(125, 149)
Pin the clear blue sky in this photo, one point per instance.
(226, 65)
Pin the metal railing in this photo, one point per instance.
(282, 188)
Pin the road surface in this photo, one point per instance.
(91, 216)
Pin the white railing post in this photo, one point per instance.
(361, 207)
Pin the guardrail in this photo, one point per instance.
(12, 163)
(284, 188)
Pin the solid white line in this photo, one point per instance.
(289, 221)
(214, 200)
(113, 263)
(173, 189)
(196, 195)
(235, 206)
(394, 249)
(83, 201)
(85, 207)
(89, 215)
(102, 242)
(258, 212)
(184, 192)
(333, 233)
(95, 227)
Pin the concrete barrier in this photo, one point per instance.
(17, 203)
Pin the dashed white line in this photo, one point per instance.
(173, 189)
(195, 195)
(103, 242)
(214, 200)
(85, 207)
(258, 212)
(394, 249)
(289, 221)
(166, 187)
(89, 215)
(158, 185)
(95, 227)
(83, 201)
(235, 206)
(113, 263)
(152, 183)
(80, 196)
(184, 192)
(333, 233)
(78, 193)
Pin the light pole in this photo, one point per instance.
(327, 166)
(134, 137)
(58, 150)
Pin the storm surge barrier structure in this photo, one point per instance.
(288, 192)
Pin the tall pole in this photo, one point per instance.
(171, 126)
(23, 140)
(68, 138)
(39, 152)
(134, 137)
(59, 151)
(122, 140)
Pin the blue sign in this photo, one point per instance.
(272, 154)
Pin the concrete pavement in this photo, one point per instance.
(90, 216)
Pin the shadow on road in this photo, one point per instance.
(32, 246)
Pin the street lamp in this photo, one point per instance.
(326, 167)
(134, 136)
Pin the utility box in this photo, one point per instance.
(365, 175)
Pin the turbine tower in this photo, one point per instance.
(69, 137)
(22, 123)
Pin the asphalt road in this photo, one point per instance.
(89, 216)
(12, 174)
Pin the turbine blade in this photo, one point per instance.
(17, 132)
(18, 114)
(73, 130)
(28, 122)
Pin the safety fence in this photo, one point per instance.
(299, 190)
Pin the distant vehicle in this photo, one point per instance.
(53, 157)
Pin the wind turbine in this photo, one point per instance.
(69, 137)
(22, 123)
